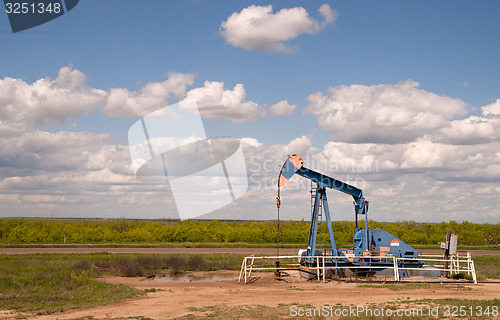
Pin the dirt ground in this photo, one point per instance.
(177, 298)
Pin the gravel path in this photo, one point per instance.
(249, 251)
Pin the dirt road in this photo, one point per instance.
(248, 251)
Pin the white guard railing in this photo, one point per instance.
(456, 265)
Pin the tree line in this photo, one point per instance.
(121, 231)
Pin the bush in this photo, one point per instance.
(25, 231)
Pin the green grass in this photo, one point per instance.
(48, 283)
(282, 311)
(487, 267)
(133, 265)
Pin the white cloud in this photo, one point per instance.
(471, 130)
(213, 100)
(341, 157)
(216, 102)
(154, 95)
(59, 151)
(75, 174)
(26, 106)
(399, 143)
(328, 14)
(388, 191)
(264, 161)
(382, 113)
(258, 28)
(437, 184)
(282, 108)
(423, 157)
(423, 153)
(114, 157)
(251, 141)
(474, 129)
(81, 173)
(493, 108)
(300, 145)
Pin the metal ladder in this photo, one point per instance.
(319, 231)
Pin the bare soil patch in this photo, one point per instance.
(173, 299)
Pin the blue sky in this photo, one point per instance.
(352, 57)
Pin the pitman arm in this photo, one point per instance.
(295, 165)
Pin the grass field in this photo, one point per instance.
(47, 283)
(53, 283)
(487, 267)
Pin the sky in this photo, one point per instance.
(401, 99)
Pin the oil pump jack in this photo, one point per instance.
(371, 247)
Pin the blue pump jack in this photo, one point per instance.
(371, 247)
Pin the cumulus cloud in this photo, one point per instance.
(471, 130)
(422, 157)
(445, 162)
(75, 174)
(61, 173)
(493, 108)
(114, 157)
(251, 141)
(26, 106)
(258, 28)
(399, 143)
(474, 129)
(382, 113)
(264, 160)
(434, 177)
(282, 108)
(59, 151)
(216, 102)
(213, 99)
(424, 153)
(342, 158)
(50, 171)
(154, 95)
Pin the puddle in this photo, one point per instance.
(197, 278)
